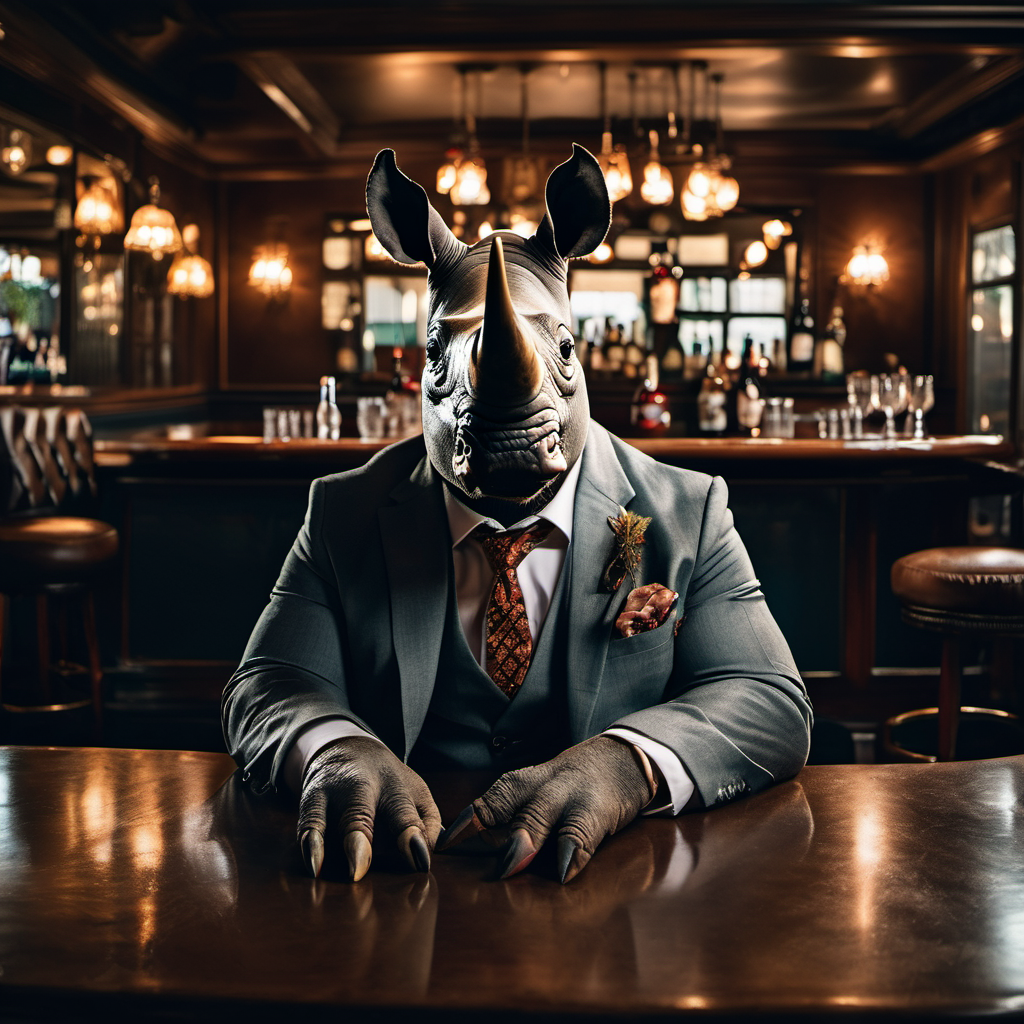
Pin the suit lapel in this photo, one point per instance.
(415, 538)
(602, 488)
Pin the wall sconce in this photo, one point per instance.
(153, 229)
(190, 275)
(867, 267)
(99, 209)
(270, 272)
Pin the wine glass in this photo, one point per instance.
(920, 399)
(891, 398)
(858, 397)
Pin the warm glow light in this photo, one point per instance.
(602, 254)
(694, 207)
(774, 231)
(17, 151)
(98, 211)
(59, 156)
(270, 272)
(373, 249)
(485, 230)
(657, 188)
(699, 181)
(615, 166)
(190, 275)
(755, 254)
(470, 187)
(447, 172)
(727, 194)
(153, 230)
(977, 323)
(867, 267)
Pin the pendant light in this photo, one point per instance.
(99, 209)
(710, 189)
(190, 276)
(470, 185)
(657, 186)
(153, 229)
(613, 160)
(522, 174)
(16, 153)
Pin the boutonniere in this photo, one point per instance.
(629, 529)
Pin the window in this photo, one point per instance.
(993, 281)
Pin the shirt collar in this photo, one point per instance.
(462, 520)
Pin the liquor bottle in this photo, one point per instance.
(675, 363)
(634, 354)
(748, 390)
(613, 351)
(828, 351)
(328, 415)
(801, 340)
(712, 417)
(650, 414)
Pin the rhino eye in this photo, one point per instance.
(566, 346)
(434, 349)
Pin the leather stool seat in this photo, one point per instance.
(960, 592)
(52, 550)
(978, 584)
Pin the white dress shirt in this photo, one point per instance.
(538, 575)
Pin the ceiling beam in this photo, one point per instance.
(289, 89)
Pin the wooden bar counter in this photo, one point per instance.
(208, 511)
(154, 884)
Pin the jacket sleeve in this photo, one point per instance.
(737, 712)
(292, 673)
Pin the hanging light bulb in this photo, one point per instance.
(470, 185)
(153, 229)
(612, 159)
(710, 189)
(16, 153)
(657, 186)
(99, 210)
(694, 207)
(190, 275)
(448, 171)
(774, 231)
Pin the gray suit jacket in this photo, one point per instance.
(354, 624)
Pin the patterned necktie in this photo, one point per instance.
(509, 645)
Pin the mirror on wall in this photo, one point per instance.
(36, 168)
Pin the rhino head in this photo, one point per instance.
(505, 407)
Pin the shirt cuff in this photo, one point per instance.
(311, 740)
(677, 781)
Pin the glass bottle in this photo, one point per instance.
(328, 415)
(801, 340)
(712, 417)
(650, 414)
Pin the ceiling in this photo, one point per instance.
(238, 85)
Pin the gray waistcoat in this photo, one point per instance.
(471, 724)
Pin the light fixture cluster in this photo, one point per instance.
(710, 190)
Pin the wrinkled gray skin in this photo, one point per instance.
(505, 405)
(505, 416)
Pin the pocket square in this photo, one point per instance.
(646, 608)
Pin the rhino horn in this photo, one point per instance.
(506, 369)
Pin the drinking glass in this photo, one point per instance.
(858, 397)
(920, 399)
(891, 398)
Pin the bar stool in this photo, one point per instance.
(961, 592)
(46, 554)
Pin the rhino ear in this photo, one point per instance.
(579, 210)
(403, 220)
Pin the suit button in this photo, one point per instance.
(499, 743)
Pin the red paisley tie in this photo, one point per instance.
(509, 645)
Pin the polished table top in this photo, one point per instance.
(144, 880)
